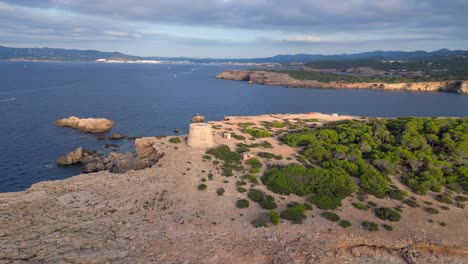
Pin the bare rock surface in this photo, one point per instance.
(71, 158)
(89, 125)
(157, 215)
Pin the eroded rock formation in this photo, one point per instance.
(282, 79)
(147, 156)
(88, 125)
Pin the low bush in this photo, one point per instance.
(387, 227)
(239, 137)
(411, 203)
(361, 206)
(370, 226)
(202, 187)
(266, 155)
(397, 194)
(345, 224)
(241, 148)
(220, 191)
(256, 195)
(431, 210)
(330, 216)
(444, 198)
(175, 140)
(224, 153)
(242, 203)
(295, 214)
(387, 214)
(241, 190)
(308, 206)
(254, 163)
(268, 203)
(207, 157)
(274, 217)
(259, 223)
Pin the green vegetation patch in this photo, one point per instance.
(361, 206)
(242, 203)
(224, 153)
(387, 214)
(345, 224)
(220, 191)
(202, 187)
(175, 140)
(370, 226)
(265, 201)
(330, 216)
(295, 214)
(326, 187)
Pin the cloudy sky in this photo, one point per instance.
(235, 28)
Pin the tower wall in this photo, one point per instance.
(200, 136)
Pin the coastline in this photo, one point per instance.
(158, 215)
(282, 79)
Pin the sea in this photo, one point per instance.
(156, 99)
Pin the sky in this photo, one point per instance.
(235, 29)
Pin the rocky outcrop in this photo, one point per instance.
(71, 158)
(234, 75)
(282, 79)
(147, 156)
(117, 136)
(88, 125)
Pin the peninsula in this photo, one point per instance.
(310, 79)
(283, 188)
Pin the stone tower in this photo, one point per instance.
(200, 136)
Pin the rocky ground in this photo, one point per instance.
(158, 215)
(282, 79)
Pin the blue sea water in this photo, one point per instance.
(148, 100)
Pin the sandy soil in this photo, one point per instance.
(158, 215)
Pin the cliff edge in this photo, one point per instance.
(283, 79)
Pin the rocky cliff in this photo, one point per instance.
(282, 79)
(89, 125)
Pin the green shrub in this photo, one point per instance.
(259, 223)
(254, 163)
(242, 148)
(220, 191)
(444, 198)
(242, 203)
(370, 226)
(253, 179)
(431, 210)
(361, 206)
(387, 227)
(294, 214)
(387, 214)
(241, 190)
(308, 206)
(345, 224)
(411, 203)
(397, 194)
(239, 137)
(202, 187)
(330, 216)
(256, 195)
(210, 176)
(268, 203)
(374, 183)
(274, 217)
(224, 153)
(175, 140)
(207, 157)
(260, 134)
(370, 203)
(461, 199)
(266, 155)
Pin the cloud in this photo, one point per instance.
(295, 25)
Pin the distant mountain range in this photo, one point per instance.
(49, 54)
